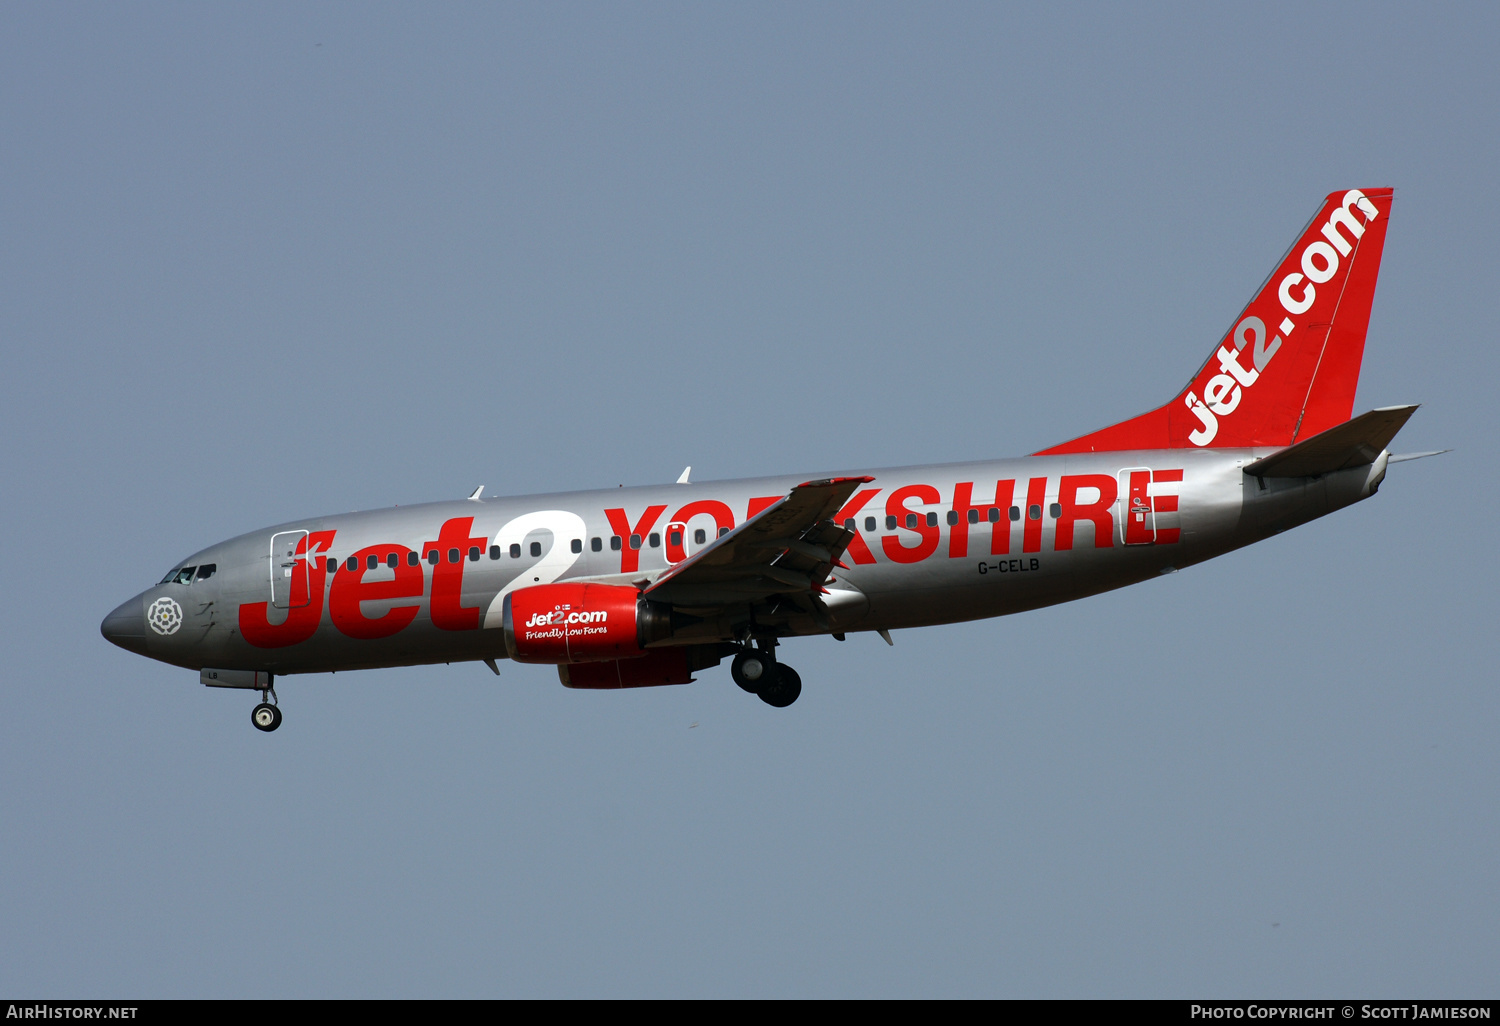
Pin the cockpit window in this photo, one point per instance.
(184, 576)
(207, 570)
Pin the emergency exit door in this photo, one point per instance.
(1137, 515)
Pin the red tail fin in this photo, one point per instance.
(1289, 367)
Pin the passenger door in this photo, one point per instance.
(289, 588)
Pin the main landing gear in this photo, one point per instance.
(757, 671)
(266, 716)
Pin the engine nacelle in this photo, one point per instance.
(657, 667)
(579, 623)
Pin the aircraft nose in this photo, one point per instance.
(126, 626)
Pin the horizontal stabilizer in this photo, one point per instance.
(1354, 443)
(1403, 457)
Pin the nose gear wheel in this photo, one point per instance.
(266, 717)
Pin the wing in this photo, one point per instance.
(786, 550)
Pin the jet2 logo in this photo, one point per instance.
(1320, 262)
(559, 617)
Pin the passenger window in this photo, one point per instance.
(392, 560)
(206, 571)
(932, 520)
(515, 550)
(974, 515)
(494, 552)
(330, 564)
(994, 516)
(723, 531)
(676, 537)
(614, 543)
(1015, 513)
(453, 555)
(655, 540)
(596, 544)
(412, 559)
(700, 536)
(372, 561)
(352, 563)
(870, 524)
(432, 556)
(1056, 511)
(911, 520)
(536, 548)
(1033, 512)
(953, 517)
(635, 541)
(473, 553)
(577, 545)
(890, 523)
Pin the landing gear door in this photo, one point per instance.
(1137, 518)
(289, 570)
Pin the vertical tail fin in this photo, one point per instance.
(1289, 366)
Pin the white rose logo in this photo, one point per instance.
(164, 616)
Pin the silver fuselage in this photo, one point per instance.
(285, 612)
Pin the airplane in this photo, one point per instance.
(643, 586)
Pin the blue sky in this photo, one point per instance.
(283, 260)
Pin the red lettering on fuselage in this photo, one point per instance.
(446, 606)
(963, 493)
(1166, 504)
(630, 558)
(895, 506)
(1036, 497)
(349, 589)
(306, 600)
(1081, 498)
(677, 540)
(1070, 510)
(761, 502)
(723, 518)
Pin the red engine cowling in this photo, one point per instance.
(576, 623)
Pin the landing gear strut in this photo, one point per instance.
(757, 671)
(266, 716)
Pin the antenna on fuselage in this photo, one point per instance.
(477, 493)
(685, 472)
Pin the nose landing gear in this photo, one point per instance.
(758, 672)
(266, 716)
